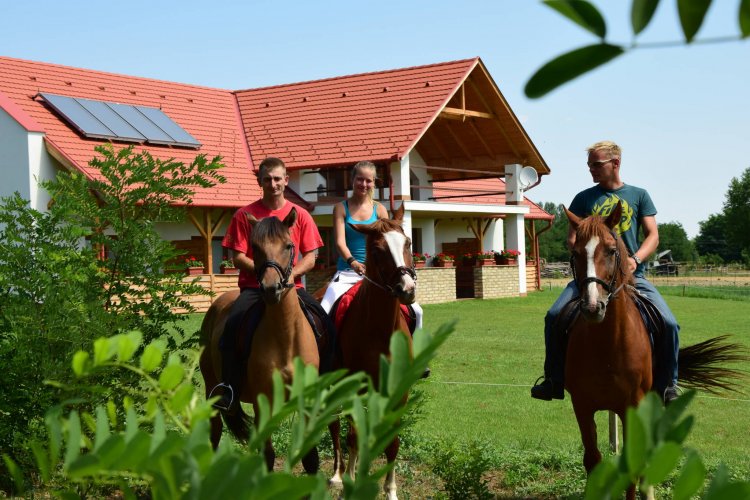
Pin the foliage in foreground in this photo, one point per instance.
(160, 442)
(91, 265)
(653, 449)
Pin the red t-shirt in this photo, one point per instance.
(304, 234)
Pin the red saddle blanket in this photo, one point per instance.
(345, 301)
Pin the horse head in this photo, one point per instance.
(273, 250)
(599, 262)
(389, 259)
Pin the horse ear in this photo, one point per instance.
(291, 218)
(252, 220)
(614, 216)
(575, 221)
(398, 215)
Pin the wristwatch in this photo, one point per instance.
(637, 259)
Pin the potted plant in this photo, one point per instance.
(508, 257)
(227, 267)
(419, 259)
(193, 266)
(443, 260)
(468, 259)
(486, 258)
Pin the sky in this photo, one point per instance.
(680, 114)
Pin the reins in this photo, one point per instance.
(283, 273)
(402, 270)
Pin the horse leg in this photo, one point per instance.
(587, 426)
(338, 465)
(351, 442)
(630, 492)
(390, 479)
(270, 455)
(311, 462)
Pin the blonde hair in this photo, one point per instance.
(610, 147)
(365, 165)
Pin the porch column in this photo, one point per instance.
(515, 235)
(400, 179)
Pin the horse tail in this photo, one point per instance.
(238, 423)
(701, 365)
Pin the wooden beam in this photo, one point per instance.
(487, 148)
(196, 222)
(497, 122)
(461, 114)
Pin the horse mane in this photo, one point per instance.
(595, 226)
(385, 225)
(269, 228)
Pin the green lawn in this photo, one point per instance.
(479, 390)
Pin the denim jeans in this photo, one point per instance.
(668, 351)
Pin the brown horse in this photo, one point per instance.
(608, 363)
(282, 334)
(372, 317)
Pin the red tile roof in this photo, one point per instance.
(209, 115)
(372, 116)
(482, 192)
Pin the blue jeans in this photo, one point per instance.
(668, 351)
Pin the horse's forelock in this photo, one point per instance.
(595, 226)
(269, 228)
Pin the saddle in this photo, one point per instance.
(341, 306)
(651, 316)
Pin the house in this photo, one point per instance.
(447, 146)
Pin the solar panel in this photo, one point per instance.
(120, 127)
(180, 136)
(123, 122)
(153, 134)
(78, 116)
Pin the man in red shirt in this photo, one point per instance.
(273, 179)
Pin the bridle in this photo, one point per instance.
(284, 274)
(400, 271)
(609, 287)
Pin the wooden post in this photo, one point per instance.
(614, 438)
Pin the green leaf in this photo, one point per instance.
(151, 357)
(691, 478)
(170, 377)
(744, 18)
(102, 427)
(74, 439)
(83, 466)
(600, 480)
(692, 13)
(16, 474)
(101, 350)
(127, 345)
(582, 13)
(80, 363)
(570, 66)
(181, 398)
(662, 462)
(635, 443)
(641, 13)
(399, 362)
(679, 432)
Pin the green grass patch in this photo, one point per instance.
(741, 293)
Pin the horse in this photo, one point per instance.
(373, 315)
(609, 361)
(282, 334)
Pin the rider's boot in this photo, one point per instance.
(230, 398)
(547, 390)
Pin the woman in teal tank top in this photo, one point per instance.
(359, 208)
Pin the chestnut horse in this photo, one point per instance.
(372, 317)
(282, 334)
(609, 363)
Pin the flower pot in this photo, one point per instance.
(230, 270)
(419, 264)
(443, 263)
(486, 262)
(191, 271)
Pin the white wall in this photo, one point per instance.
(14, 158)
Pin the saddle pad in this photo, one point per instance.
(342, 305)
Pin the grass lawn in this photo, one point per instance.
(479, 391)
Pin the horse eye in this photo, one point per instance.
(289, 246)
(611, 251)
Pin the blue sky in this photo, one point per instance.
(680, 114)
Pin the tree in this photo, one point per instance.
(573, 64)
(737, 213)
(672, 236)
(552, 243)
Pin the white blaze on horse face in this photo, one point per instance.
(593, 294)
(396, 242)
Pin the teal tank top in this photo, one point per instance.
(355, 241)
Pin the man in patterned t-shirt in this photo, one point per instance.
(638, 212)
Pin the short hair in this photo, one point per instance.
(269, 164)
(608, 146)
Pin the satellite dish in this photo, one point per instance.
(527, 177)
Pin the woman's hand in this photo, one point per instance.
(358, 267)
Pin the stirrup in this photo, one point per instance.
(231, 396)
